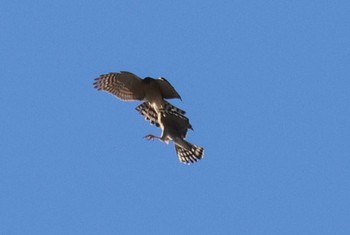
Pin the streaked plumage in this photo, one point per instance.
(127, 86)
(174, 127)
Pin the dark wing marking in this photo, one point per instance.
(148, 112)
(168, 91)
(171, 114)
(124, 85)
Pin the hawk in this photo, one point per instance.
(174, 127)
(127, 86)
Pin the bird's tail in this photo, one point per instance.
(190, 153)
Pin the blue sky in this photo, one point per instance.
(264, 83)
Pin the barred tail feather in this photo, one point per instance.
(189, 156)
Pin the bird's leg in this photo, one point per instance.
(151, 137)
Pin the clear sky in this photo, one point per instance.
(264, 83)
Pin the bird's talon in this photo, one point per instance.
(149, 137)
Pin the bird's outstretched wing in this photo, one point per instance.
(146, 110)
(168, 91)
(124, 85)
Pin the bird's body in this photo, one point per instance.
(127, 86)
(174, 127)
(154, 92)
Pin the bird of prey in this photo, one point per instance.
(127, 86)
(174, 127)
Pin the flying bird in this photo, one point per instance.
(127, 86)
(174, 127)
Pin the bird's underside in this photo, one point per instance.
(174, 127)
(128, 86)
(172, 120)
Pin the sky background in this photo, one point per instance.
(264, 83)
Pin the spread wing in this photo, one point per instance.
(168, 91)
(124, 85)
(177, 122)
(146, 110)
(171, 114)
